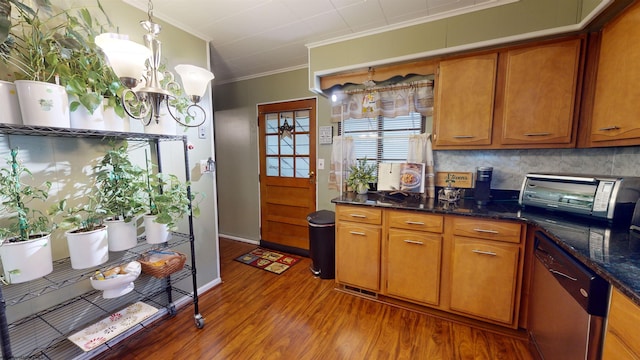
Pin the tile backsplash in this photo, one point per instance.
(510, 166)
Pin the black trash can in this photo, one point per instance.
(322, 243)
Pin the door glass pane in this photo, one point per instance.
(272, 166)
(272, 123)
(272, 144)
(302, 167)
(302, 121)
(302, 144)
(286, 146)
(286, 167)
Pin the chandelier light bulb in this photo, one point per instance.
(127, 58)
(194, 80)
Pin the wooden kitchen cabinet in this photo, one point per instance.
(615, 104)
(539, 101)
(463, 111)
(622, 340)
(463, 265)
(358, 246)
(518, 97)
(486, 269)
(414, 256)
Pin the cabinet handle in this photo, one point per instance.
(413, 242)
(414, 222)
(481, 252)
(358, 216)
(538, 134)
(357, 233)
(487, 231)
(463, 136)
(614, 127)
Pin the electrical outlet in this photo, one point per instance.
(203, 166)
(202, 132)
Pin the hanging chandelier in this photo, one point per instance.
(148, 87)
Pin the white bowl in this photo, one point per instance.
(120, 284)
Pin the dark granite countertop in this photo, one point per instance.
(611, 251)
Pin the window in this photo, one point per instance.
(383, 139)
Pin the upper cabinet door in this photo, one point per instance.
(539, 94)
(616, 106)
(465, 92)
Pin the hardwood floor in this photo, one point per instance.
(255, 314)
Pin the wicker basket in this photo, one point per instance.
(171, 264)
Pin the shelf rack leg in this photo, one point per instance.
(5, 341)
(198, 318)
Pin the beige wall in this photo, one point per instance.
(237, 147)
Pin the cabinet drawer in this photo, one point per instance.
(487, 229)
(360, 214)
(415, 221)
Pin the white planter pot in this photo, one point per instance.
(9, 106)
(113, 122)
(26, 260)
(166, 126)
(122, 235)
(155, 233)
(43, 104)
(88, 249)
(81, 118)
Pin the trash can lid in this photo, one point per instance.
(322, 217)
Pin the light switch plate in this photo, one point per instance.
(202, 132)
(320, 164)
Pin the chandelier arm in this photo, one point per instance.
(191, 110)
(145, 116)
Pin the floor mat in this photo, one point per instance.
(268, 260)
(99, 333)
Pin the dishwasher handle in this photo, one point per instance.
(589, 289)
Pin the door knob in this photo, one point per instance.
(311, 177)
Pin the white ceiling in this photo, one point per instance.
(256, 37)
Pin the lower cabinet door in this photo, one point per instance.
(358, 255)
(413, 265)
(484, 278)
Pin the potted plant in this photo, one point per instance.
(360, 175)
(168, 200)
(86, 232)
(121, 192)
(91, 84)
(25, 240)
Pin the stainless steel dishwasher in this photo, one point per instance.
(568, 303)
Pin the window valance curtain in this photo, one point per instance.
(387, 101)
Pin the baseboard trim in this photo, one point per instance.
(187, 300)
(236, 238)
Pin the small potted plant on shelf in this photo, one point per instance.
(121, 192)
(168, 200)
(360, 175)
(25, 236)
(86, 232)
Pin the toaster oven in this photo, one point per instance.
(610, 198)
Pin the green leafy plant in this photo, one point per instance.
(361, 174)
(90, 78)
(169, 198)
(121, 185)
(39, 48)
(80, 218)
(16, 197)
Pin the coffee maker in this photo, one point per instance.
(482, 192)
